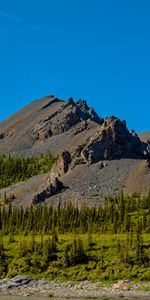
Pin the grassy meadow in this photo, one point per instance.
(103, 257)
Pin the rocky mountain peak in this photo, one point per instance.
(54, 125)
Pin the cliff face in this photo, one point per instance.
(86, 144)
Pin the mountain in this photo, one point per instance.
(97, 156)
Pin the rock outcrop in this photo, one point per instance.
(61, 166)
(111, 141)
(53, 185)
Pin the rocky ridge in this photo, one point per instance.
(48, 119)
(69, 115)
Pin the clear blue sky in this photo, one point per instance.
(98, 50)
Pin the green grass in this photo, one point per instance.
(104, 261)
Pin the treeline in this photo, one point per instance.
(15, 168)
(117, 214)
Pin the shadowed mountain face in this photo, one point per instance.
(97, 154)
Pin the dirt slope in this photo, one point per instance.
(138, 179)
(145, 136)
(17, 128)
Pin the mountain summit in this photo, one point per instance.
(96, 155)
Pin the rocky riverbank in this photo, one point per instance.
(27, 286)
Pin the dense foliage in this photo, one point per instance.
(107, 243)
(15, 168)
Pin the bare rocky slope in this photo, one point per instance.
(97, 156)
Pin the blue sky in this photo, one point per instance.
(98, 50)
